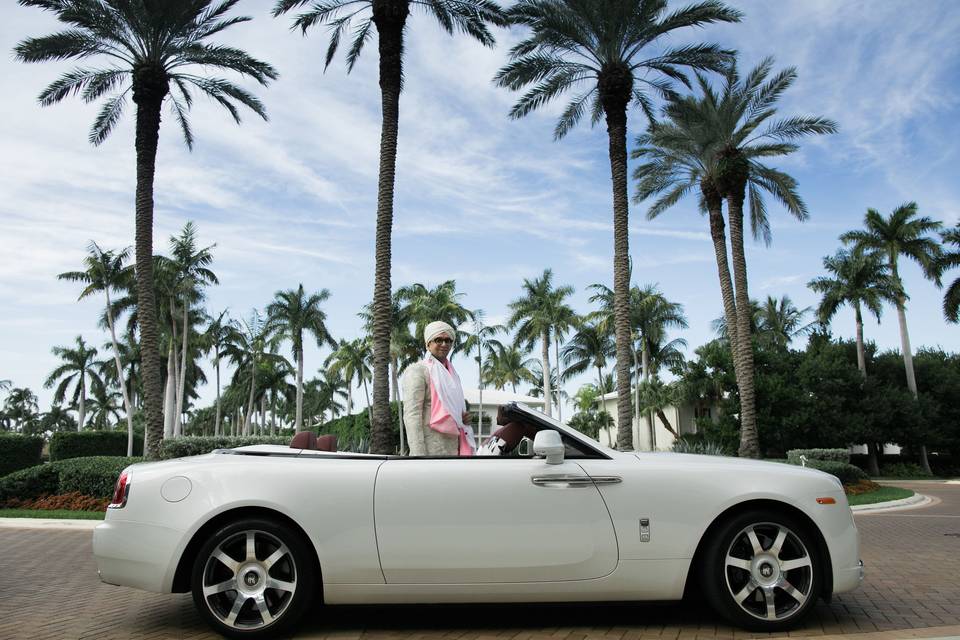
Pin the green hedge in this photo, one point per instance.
(827, 455)
(353, 431)
(198, 445)
(848, 473)
(73, 444)
(19, 452)
(92, 476)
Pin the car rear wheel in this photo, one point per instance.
(253, 578)
(763, 571)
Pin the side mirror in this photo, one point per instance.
(548, 444)
(525, 448)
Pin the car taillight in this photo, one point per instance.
(121, 492)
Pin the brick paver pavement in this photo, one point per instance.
(49, 589)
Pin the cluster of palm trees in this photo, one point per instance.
(607, 53)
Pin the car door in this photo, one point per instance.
(489, 520)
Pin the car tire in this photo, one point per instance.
(762, 571)
(254, 578)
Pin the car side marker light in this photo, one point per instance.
(826, 501)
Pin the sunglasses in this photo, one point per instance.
(442, 340)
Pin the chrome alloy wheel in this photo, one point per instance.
(769, 571)
(249, 580)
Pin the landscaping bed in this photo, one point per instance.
(56, 514)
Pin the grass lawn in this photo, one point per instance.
(883, 494)
(59, 514)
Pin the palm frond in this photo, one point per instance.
(107, 118)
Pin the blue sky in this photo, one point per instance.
(479, 198)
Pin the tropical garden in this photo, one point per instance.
(704, 129)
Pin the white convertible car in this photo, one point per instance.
(261, 534)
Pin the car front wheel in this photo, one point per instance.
(253, 578)
(763, 571)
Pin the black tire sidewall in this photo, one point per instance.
(714, 570)
(302, 559)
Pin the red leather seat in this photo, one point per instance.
(310, 440)
(327, 443)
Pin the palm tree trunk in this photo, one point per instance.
(169, 396)
(216, 366)
(389, 16)
(127, 406)
(253, 386)
(273, 412)
(615, 107)
(545, 362)
(636, 392)
(666, 422)
(395, 382)
(556, 352)
(147, 134)
(82, 409)
(298, 424)
(645, 364)
(861, 354)
(181, 379)
(749, 437)
(263, 413)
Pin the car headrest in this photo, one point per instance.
(327, 443)
(502, 415)
(304, 440)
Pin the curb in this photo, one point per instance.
(916, 500)
(50, 524)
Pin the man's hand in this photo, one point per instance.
(466, 417)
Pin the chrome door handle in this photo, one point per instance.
(606, 479)
(562, 480)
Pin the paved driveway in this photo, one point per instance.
(49, 589)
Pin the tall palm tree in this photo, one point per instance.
(160, 48)
(215, 339)
(904, 233)
(422, 305)
(603, 51)
(781, 322)
(507, 365)
(191, 266)
(78, 365)
(390, 18)
(107, 271)
(861, 280)
(533, 315)
(104, 406)
(351, 361)
(481, 340)
(323, 394)
(20, 406)
(715, 142)
(589, 347)
(563, 319)
(293, 313)
(248, 344)
(951, 299)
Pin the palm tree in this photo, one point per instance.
(323, 394)
(247, 346)
(77, 366)
(859, 279)
(159, 47)
(951, 299)
(507, 365)
(106, 271)
(482, 340)
(389, 17)
(291, 314)
(604, 48)
(533, 315)
(351, 361)
(20, 406)
(191, 266)
(214, 339)
(57, 419)
(422, 305)
(589, 347)
(781, 321)
(715, 143)
(104, 406)
(904, 233)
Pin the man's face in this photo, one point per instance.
(440, 346)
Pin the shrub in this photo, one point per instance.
(903, 470)
(70, 444)
(827, 455)
(92, 476)
(848, 473)
(699, 446)
(19, 452)
(198, 445)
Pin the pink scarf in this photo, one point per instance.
(447, 404)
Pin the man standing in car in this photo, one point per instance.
(434, 411)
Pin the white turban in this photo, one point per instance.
(436, 328)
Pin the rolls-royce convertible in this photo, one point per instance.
(262, 534)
